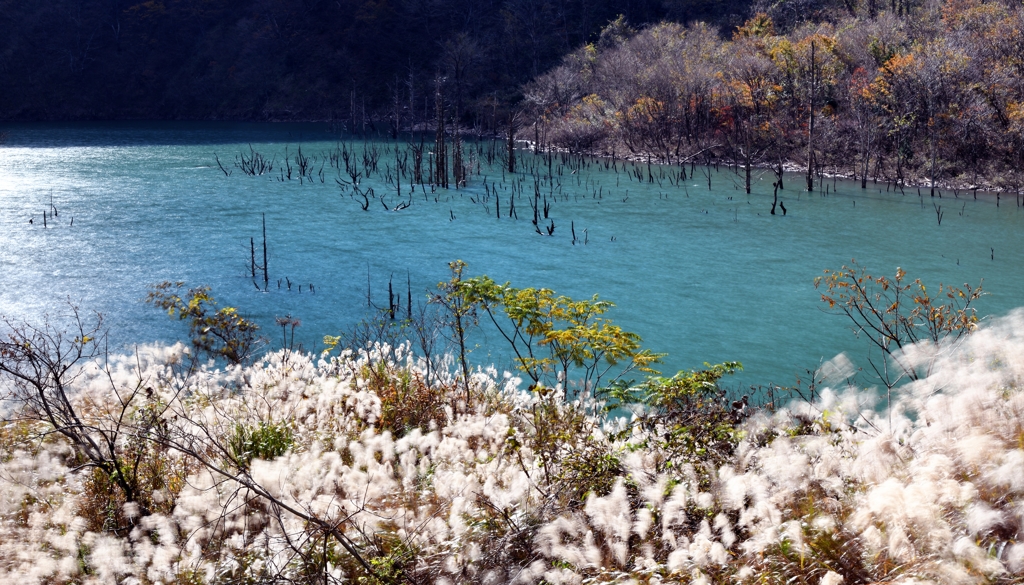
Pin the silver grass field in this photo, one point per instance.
(289, 471)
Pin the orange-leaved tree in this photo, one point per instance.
(895, 313)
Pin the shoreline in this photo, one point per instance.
(986, 190)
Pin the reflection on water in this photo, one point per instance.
(705, 275)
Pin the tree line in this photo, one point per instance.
(931, 95)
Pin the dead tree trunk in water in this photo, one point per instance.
(747, 155)
(512, 142)
(417, 161)
(391, 301)
(266, 274)
(864, 174)
(440, 156)
(931, 147)
(458, 169)
(810, 129)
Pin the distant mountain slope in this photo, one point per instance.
(280, 59)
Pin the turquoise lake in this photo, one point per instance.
(706, 275)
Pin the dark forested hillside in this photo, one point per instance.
(281, 59)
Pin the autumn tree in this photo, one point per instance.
(555, 338)
(895, 313)
(862, 121)
(895, 93)
(808, 70)
(747, 111)
(217, 332)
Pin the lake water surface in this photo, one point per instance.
(705, 275)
